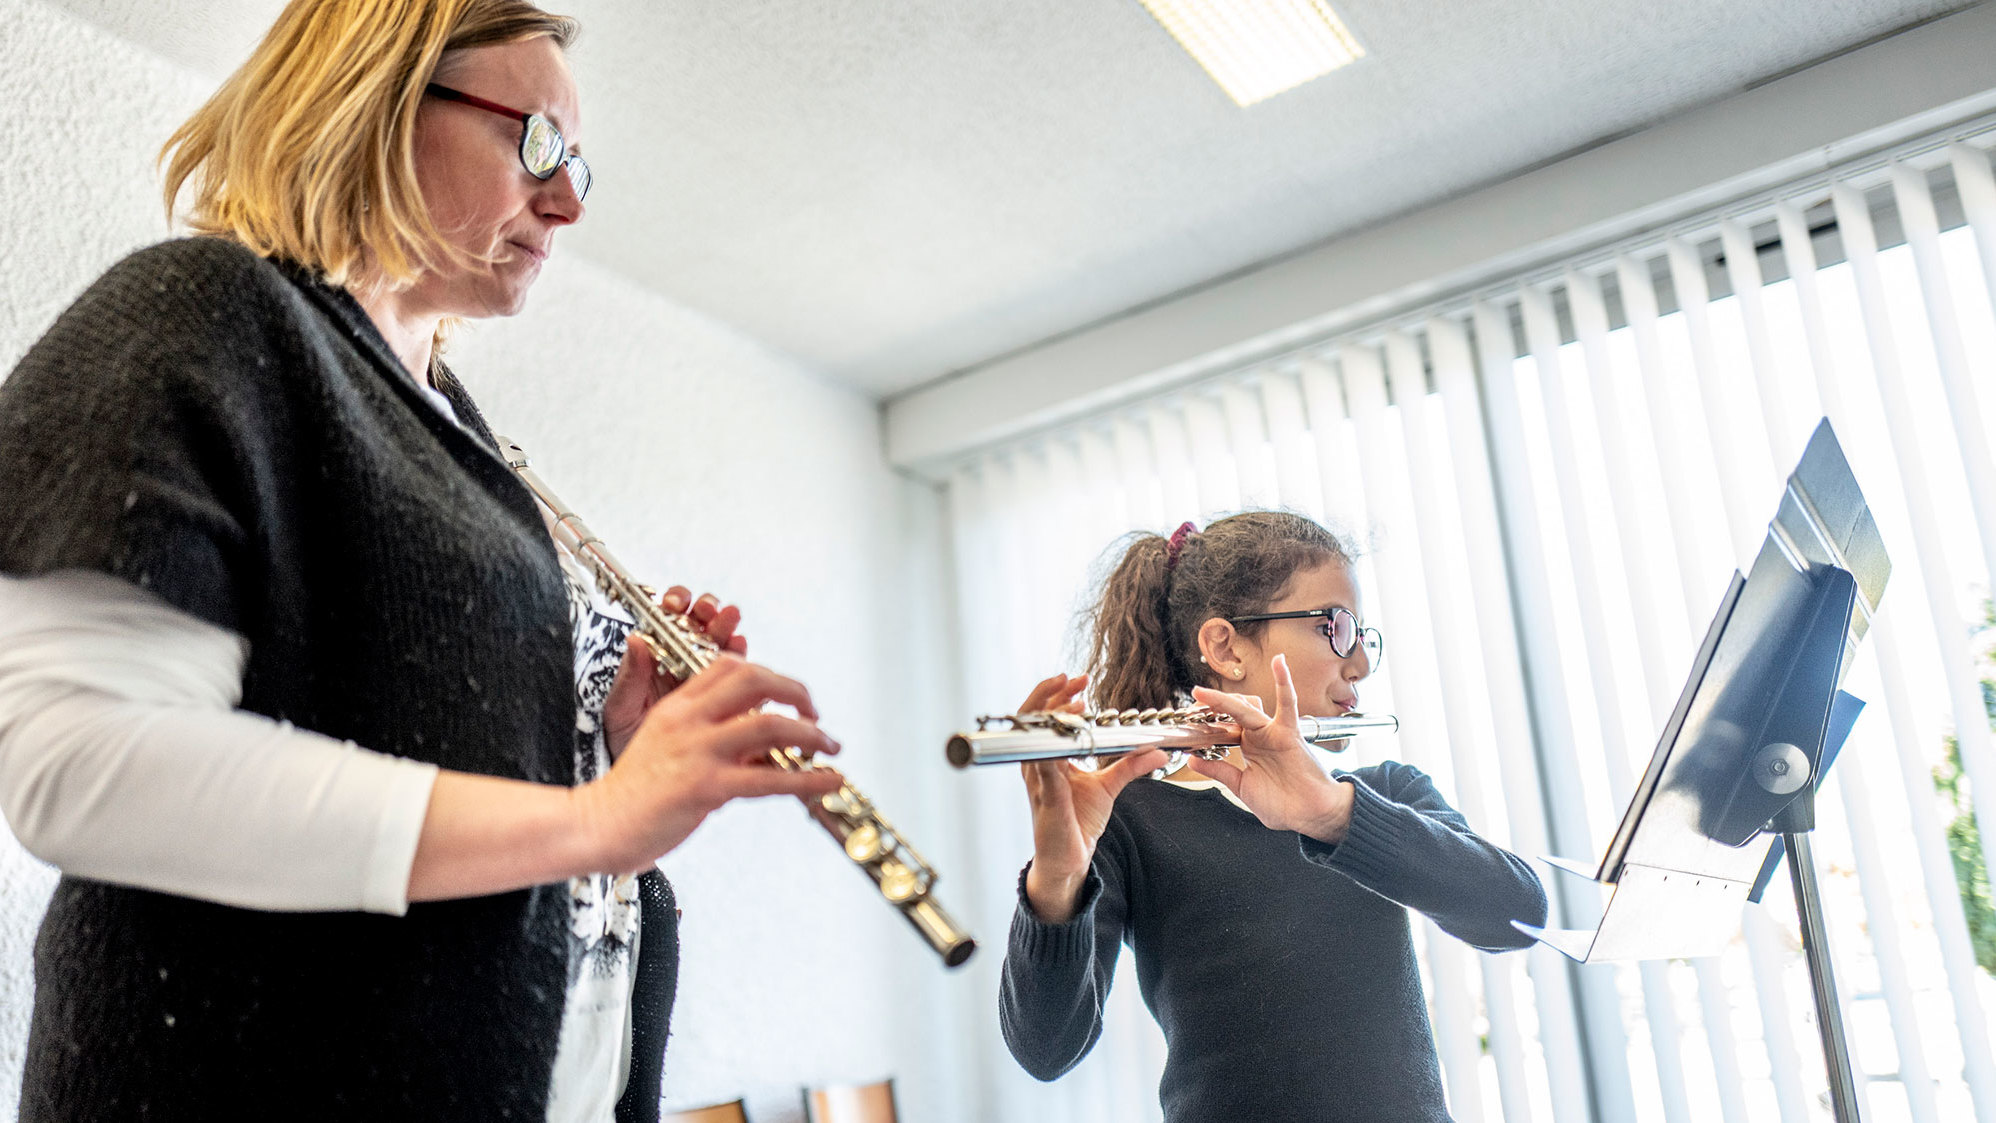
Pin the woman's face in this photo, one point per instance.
(479, 194)
(1326, 683)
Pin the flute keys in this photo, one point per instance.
(865, 845)
(1069, 724)
(898, 883)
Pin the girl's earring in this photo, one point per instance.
(1238, 673)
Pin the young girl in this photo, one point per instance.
(1265, 898)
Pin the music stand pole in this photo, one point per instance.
(1794, 823)
(1815, 945)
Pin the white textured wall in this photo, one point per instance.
(705, 459)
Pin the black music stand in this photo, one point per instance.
(1742, 755)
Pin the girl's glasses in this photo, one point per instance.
(542, 148)
(1343, 630)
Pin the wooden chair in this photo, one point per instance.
(851, 1103)
(731, 1112)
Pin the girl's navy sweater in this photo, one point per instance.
(1281, 968)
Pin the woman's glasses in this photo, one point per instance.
(542, 148)
(1342, 628)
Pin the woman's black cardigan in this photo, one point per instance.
(237, 438)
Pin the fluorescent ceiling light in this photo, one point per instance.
(1256, 49)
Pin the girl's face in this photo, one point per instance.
(478, 193)
(1326, 683)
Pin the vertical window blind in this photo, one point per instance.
(1552, 479)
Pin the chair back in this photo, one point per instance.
(731, 1112)
(851, 1103)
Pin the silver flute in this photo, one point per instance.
(1090, 737)
(905, 879)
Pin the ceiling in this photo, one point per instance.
(895, 191)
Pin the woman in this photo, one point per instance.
(1265, 898)
(287, 682)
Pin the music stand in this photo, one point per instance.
(1741, 757)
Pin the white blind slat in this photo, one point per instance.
(1143, 498)
(1296, 484)
(1874, 882)
(1419, 694)
(1217, 478)
(1777, 1016)
(1542, 337)
(1623, 445)
(1915, 202)
(1101, 479)
(1975, 182)
(1600, 1023)
(1743, 271)
(1465, 705)
(1177, 480)
(1729, 420)
(1693, 527)
(1248, 446)
(1496, 631)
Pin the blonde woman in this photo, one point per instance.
(288, 663)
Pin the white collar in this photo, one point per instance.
(1200, 783)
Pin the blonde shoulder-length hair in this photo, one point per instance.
(307, 152)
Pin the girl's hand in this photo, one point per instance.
(706, 743)
(1282, 783)
(640, 684)
(1070, 807)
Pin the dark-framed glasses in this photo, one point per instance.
(542, 149)
(1340, 626)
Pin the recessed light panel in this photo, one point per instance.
(1256, 49)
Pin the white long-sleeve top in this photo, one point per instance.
(123, 759)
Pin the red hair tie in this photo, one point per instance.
(1176, 544)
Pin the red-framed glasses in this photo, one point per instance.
(542, 149)
(1340, 627)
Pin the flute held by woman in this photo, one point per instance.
(905, 878)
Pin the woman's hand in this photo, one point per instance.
(702, 745)
(1282, 783)
(640, 684)
(1070, 807)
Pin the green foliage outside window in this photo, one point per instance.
(1964, 836)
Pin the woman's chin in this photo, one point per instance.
(507, 297)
